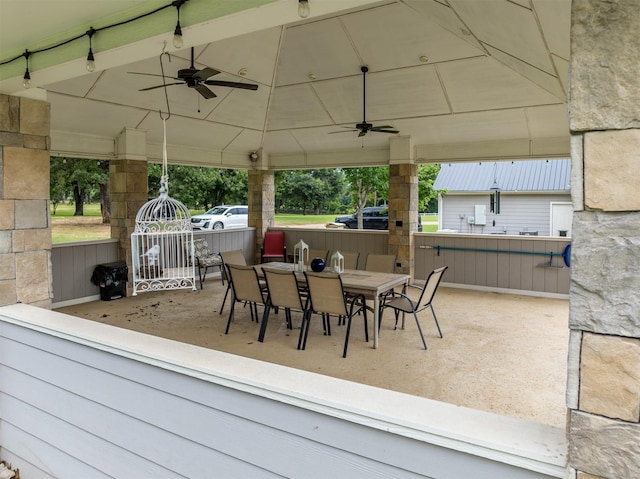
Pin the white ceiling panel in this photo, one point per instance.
(296, 106)
(479, 126)
(190, 132)
(555, 19)
(393, 36)
(518, 33)
(92, 117)
(259, 53)
(548, 121)
(485, 84)
(321, 48)
(240, 107)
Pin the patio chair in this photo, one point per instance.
(402, 303)
(205, 259)
(283, 292)
(350, 259)
(327, 297)
(317, 253)
(273, 247)
(381, 263)
(246, 288)
(231, 257)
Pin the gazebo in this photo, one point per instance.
(460, 80)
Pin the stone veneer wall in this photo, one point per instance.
(603, 392)
(25, 227)
(403, 207)
(261, 194)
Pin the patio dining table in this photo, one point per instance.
(368, 283)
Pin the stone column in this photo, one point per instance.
(603, 392)
(25, 227)
(261, 205)
(403, 203)
(128, 188)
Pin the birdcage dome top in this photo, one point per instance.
(163, 214)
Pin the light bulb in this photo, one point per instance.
(177, 37)
(26, 79)
(91, 63)
(303, 8)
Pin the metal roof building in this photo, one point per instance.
(514, 176)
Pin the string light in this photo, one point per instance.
(91, 65)
(91, 62)
(26, 79)
(177, 34)
(303, 8)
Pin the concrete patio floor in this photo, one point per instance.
(500, 353)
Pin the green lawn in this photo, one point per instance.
(67, 228)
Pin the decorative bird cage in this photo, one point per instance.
(162, 246)
(337, 262)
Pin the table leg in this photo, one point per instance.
(376, 320)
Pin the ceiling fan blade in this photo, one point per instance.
(232, 84)
(160, 86)
(345, 131)
(205, 73)
(380, 129)
(153, 75)
(384, 127)
(204, 91)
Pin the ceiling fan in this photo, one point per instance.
(198, 79)
(365, 127)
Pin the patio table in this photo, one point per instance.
(368, 283)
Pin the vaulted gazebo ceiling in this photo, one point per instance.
(493, 84)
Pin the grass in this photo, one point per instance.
(67, 228)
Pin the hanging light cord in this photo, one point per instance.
(175, 3)
(164, 179)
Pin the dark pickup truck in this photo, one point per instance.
(373, 218)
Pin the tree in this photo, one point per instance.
(82, 177)
(199, 187)
(427, 196)
(367, 182)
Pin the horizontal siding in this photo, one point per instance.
(518, 212)
(81, 399)
(523, 272)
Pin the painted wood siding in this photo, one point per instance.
(79, 399)
(518, 212)
(515, 271)
(73, 263)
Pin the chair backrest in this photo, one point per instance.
(283, 288)
(201, 248)
(233, 257)
(430, 288)
(317, 253)
(350, 259)
(381, 263)
(245, 283)
(326, 293)
(273, 243)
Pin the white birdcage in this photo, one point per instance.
(162, 243)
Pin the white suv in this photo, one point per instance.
(222, 217)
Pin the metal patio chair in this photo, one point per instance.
(402, 303)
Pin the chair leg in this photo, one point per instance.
(232, 307)
(265, 319)
(366, 321)
(303, 328)
(346, 338)
(420, 330)
(225, 296)
(436, 319)
(200, 276)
